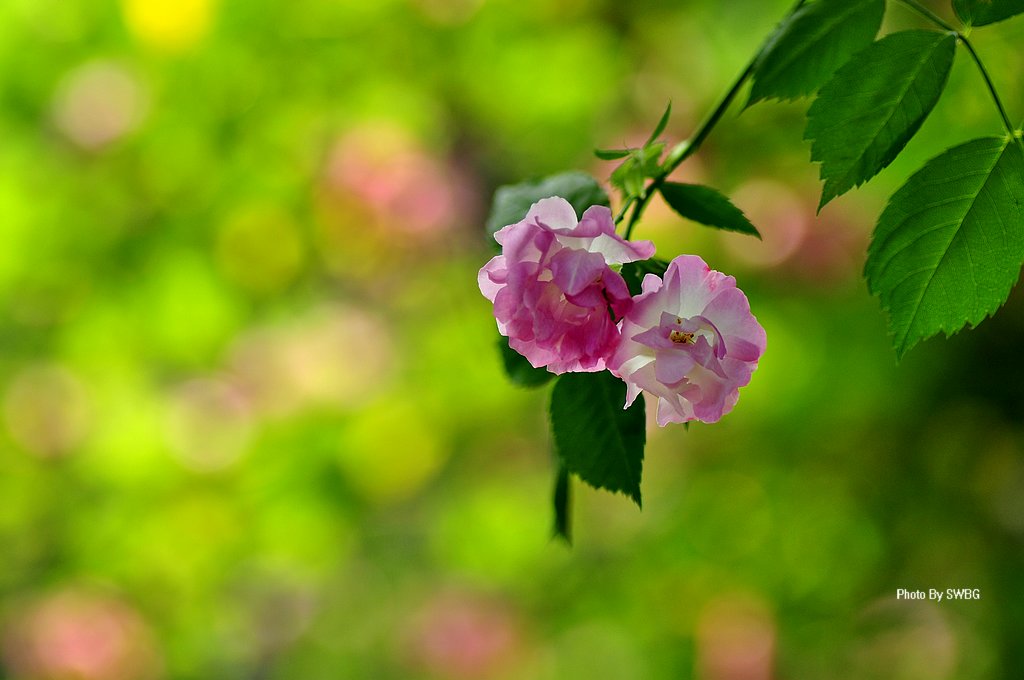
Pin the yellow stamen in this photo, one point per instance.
(679, 337)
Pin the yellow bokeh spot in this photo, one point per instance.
(260, 248)
(171, 25)
(390, 451)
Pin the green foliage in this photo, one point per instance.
(611, 154)
(520, 371)
(707, 206)
(981, 12)
(948, 247)
(343, 442)
(870, 109)
(642, 163)
(511, 202)
(807, 48)
(596, 438)
(660, 127)
(634, 272)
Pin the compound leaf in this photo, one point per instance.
(948, 247)
(870, 109)
(981, 12)
(808, 47)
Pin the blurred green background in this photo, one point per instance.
(253, 422)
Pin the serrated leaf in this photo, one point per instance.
(611, 154)
(707, 206)
(634, 273)
(869, 110)
(949, 245)
(808, 47)
(520, 371)
(513, 201)
(660, 127)
(595, 438)
(981, 12)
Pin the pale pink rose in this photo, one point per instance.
(689, 340)
(553, 290)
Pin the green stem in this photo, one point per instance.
(562, 499)
(625, 208)
(687, 148)
(938, 21)
(991, 88)
(929, 15)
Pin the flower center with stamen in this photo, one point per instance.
(681, 337)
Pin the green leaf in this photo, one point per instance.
(949, 245)
(871, 108)
(660, 127)
(628, 178)
(562, 501)
(520, 371)
(981, 12)
(642, 163)
(634, 273)
(649, 159)
(611, 154)
(707, 206)
(512, 202)
(594, 437)
(808, 47)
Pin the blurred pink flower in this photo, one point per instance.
(689, 340)
(462, 637)
(82, 636)
(98, 103)
(552, 286)
(736, 638)
(404, 187)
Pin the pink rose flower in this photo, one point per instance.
(552, 286)
(689, 340)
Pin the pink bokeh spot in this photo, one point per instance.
(402, 185)
(74, 634)
(462, 637)
(689, 340)
(553, 285)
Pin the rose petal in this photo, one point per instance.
(696, 377)
(552, 286)
(552, 213)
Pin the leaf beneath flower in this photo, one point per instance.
(520, 371)
(595, 438)
(513, 201)
(634, 273)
